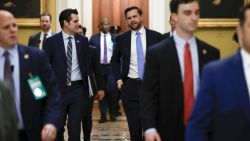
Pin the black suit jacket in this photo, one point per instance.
(165, 35)
(34, 40)
(55, 50)
(36, 113)
(161, 96)
(94, 72)
(123, 51)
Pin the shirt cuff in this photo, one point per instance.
(150, 130)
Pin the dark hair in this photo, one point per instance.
(242, 15)
(65, 15)
(115, 29)
(174, 4)
(83, 29)
(132, 8)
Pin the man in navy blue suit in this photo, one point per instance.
(128, 62)
(36, 92)
(67, 52)
(104, 42)
(222, 108)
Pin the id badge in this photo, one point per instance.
(37, 87)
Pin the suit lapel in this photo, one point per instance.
(61, 46)
(98, 43)
(23, 70)
(78, 48)
(202, 54)
(239, 83)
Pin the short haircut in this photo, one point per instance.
(83, 29)
(46, 14)
(132, 8)
(65, 15)
(174, 4)
(242, 15)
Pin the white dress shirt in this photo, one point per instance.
(180, 46)
(75, 69)
(246, 66)
(14, 61)
(109, 47)
(42, 36)
(133, 67)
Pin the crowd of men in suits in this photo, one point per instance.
(173, 86)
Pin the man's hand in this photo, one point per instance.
(152, 136)
(48, 132)
(100, 94)
(119, 84)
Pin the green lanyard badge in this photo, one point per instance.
(37, 87)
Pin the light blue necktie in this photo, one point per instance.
(140, 55)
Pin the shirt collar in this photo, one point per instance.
(66, 36)
(179, 41)
(11, 51)
(48, 33)
(142, 31)
(245, 57)
(107, 34)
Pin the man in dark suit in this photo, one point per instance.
(36, 92)
(104, 42)
(170, 33)
(67, 52)
(171, 77)
(128, 62)
(222, 108)
(37, 39)
(95, 83)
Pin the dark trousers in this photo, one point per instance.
(87, 120)
(73, 106)
(22, 136)
(130, 101)
(111, 91)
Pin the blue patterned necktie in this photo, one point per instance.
(69, 61)
(140, 55)
(105, 55)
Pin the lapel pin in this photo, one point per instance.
(204, 51)
(77, 41)
(26, 56)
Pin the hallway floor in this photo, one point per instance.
(108, 131)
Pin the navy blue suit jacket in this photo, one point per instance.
(222, 108)
(55, 49)
(36, 113)
(123, 51)
(95, 40)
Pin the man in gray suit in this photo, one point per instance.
(37, 39)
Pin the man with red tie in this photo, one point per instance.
(171, 76)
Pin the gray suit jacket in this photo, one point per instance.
(8, 118)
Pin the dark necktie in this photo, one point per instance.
(69, 61)
(188, 83)
(8, 69)
(140, 55)
(44, 37)
(105, 57)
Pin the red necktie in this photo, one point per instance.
(188, 84)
